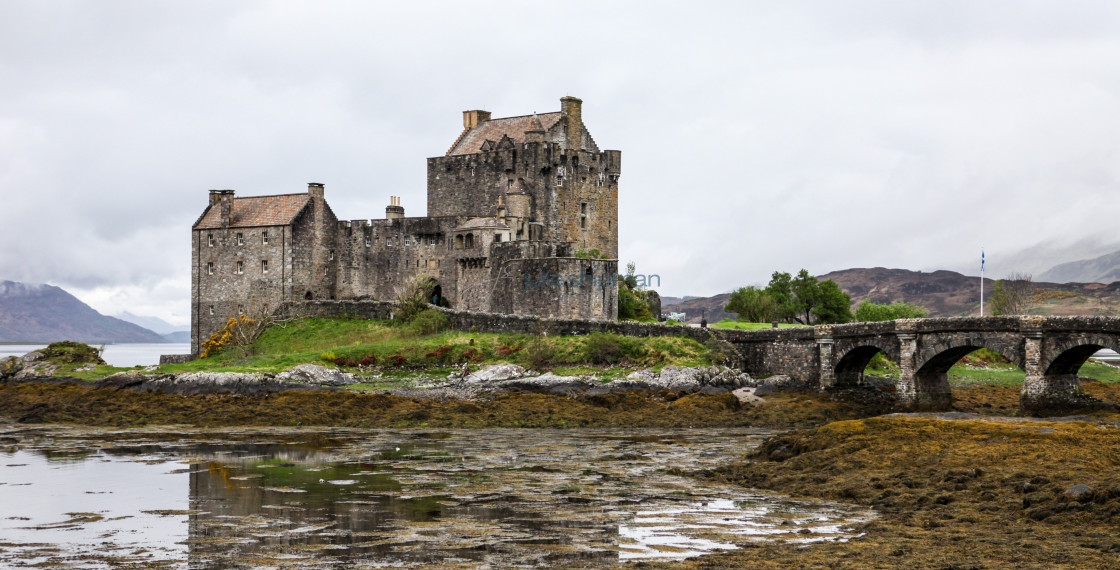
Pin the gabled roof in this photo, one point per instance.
(255, 211)
(470, 141)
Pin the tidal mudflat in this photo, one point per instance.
(78, 497)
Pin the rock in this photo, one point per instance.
(318, 375)
(491, 373)
(85, 368)
(200, 383)
(33, 356)
(1080, 493)
(10, 366)
(644, 375)
(697, 378)
(747, 396)
(549, 383)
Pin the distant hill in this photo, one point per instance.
(943, 293)
(45, 313)
(177, 336)
(696, 308)
(155, 324)
(1103, 269)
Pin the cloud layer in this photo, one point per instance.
(755, 136)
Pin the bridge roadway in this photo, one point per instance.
(1049, 349)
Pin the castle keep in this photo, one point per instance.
(514, 209)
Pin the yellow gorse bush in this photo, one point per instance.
(230, 335)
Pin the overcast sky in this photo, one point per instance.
(756, 136)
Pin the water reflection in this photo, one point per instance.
(508, 498)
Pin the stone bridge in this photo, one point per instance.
(1049, 349)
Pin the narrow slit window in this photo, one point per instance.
(211, 309)
(264, 238)
(210, 240)
(240, 238)
(264, 266)
(240, 267)
(209, 267)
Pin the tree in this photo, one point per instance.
(833, 304)
(633, 302)
(806, 300)
(1011, 296)
(869, 312)
(753, 305)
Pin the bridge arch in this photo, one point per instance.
(1067, 355)
(939, 352)
(853, 356)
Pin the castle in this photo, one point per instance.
(522, 219)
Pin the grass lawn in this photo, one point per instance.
(730, 324)
(396, 351)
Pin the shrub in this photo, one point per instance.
(240, 332)
(427, 322)
(71, 352)
(541, 354)
(868, 312)
(506, 350)
(602, 348)
(398, 360)
(722, 352)
(413, 297)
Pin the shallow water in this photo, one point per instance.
(93, 498)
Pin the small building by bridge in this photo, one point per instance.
(1050, 350)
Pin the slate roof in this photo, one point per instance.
(470, 142)
(256, 211)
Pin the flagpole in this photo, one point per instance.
(981, 282)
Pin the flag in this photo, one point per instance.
(981, 261)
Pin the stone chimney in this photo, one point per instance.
(571, 109)
(224, 200)
(394, 211)
(315, 190)
(472, 119)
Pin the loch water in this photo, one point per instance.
(78, 497)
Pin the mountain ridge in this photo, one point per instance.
(46, 313)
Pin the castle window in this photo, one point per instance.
(389, 242)
(264, 237)
(330, 255)
(497, 238)
(560, 179)
(209, 267)
(264, 266)
(211, 309)
(468, 241)
(583, 215)
(407, 241)
(369, 241)
(240, 267)
(240, 238)
(509, 184)
(241, 309)
(458, 242)
(210, 240)
(432, 240)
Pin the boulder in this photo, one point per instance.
(1080, 492)
(490, 373)
(697, 378)
(318, 375)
